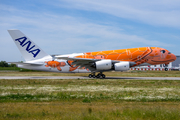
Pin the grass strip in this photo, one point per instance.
(90, 111)
(86, 98)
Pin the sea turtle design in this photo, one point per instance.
(55, 64)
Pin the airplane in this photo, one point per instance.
(92, 62)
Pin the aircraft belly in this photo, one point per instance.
(144, 64)
(65, 69)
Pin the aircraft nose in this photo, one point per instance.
(173, 57)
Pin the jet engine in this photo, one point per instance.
(103, 65)
(108, 65)
(122, 66)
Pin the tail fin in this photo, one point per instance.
(29, 50)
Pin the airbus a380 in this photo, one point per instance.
(101, 61)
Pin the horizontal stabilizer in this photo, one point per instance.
(20, 63)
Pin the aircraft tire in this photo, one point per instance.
(98, 75)
(94, 76)
(166, 69)
(103, 76)
(90, 76)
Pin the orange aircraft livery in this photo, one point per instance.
(151, 55)
(101, 61)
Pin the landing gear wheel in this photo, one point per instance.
(94, 76)
(103, 76)
(98, 76)
(166, 69)
(90, 76)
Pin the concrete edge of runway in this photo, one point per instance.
(82, 77)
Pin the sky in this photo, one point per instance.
(78, 26)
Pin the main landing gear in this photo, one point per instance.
(99, 75)
(166, 69)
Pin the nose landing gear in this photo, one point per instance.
(99, 75)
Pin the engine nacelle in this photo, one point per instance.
(103, 65)
(122, 66)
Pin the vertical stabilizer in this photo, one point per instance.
(29, 50)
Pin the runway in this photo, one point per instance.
(82, 77)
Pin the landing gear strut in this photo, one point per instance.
(99, 75)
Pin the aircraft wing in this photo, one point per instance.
(83, 62)
(80, 59)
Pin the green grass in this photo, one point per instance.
(97, 99)
(89, 91)
(90, 111)
(84, 97)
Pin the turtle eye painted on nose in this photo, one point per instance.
(163, 51)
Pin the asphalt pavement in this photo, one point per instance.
(83, 77)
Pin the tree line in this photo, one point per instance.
(5, 64)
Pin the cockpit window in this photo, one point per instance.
(163, 51)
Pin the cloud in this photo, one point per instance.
(62, 33)
(161, 13)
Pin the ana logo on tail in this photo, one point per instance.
(29, 48)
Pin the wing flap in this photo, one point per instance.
(81, 62)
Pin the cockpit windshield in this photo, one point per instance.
(163, 51)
